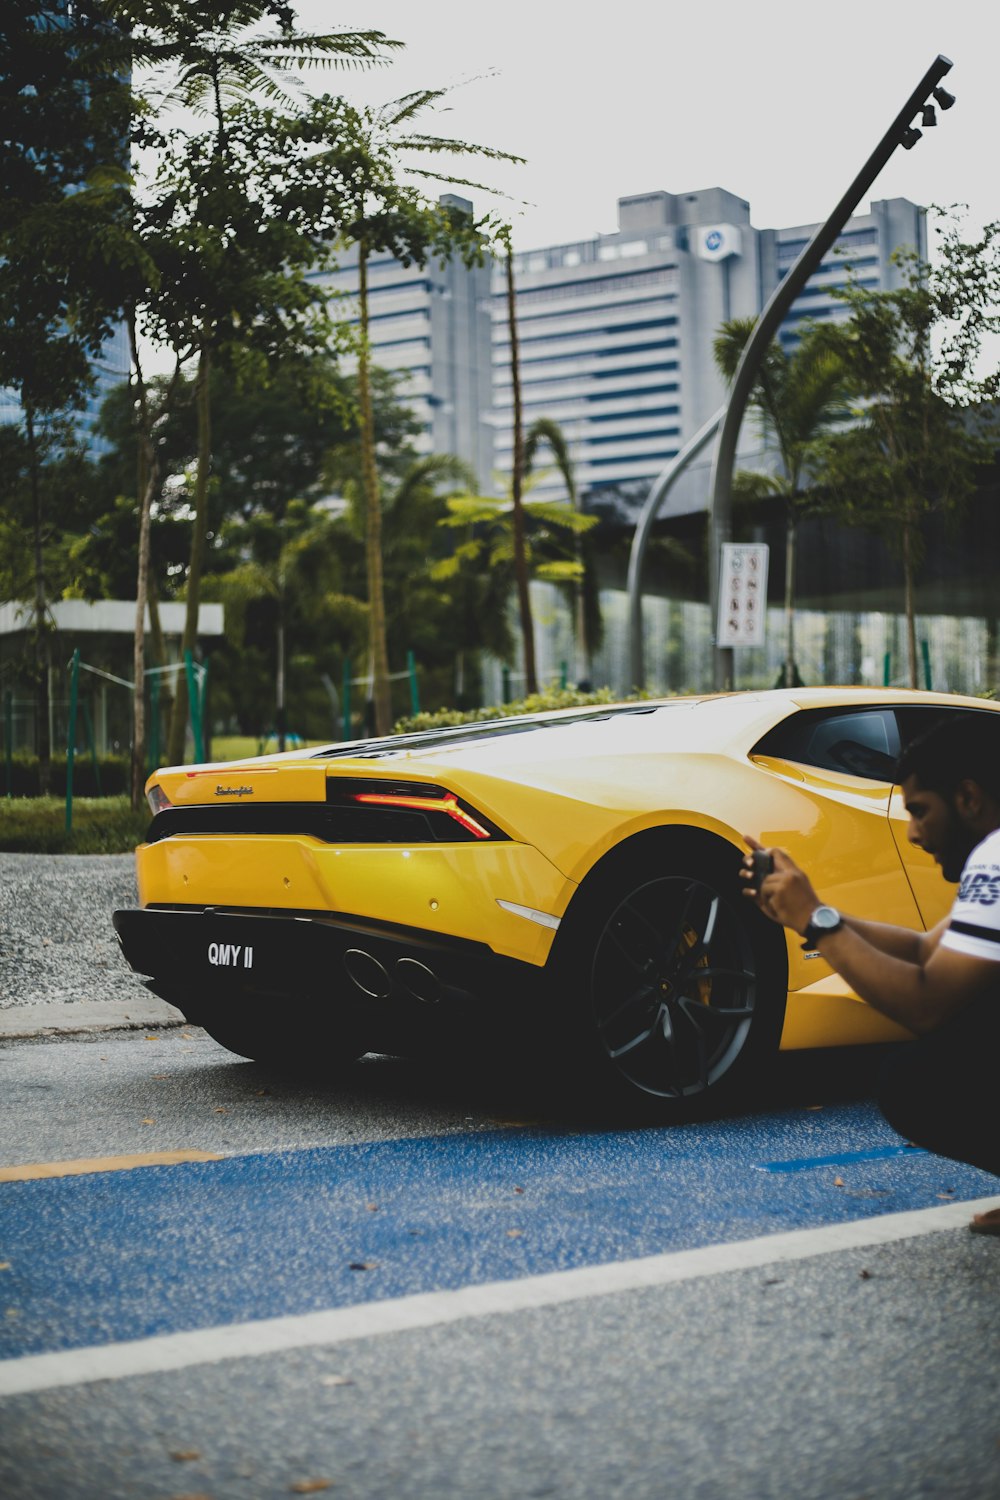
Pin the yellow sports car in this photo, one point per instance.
(566, 880)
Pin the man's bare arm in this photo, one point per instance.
(905, 975)
(921, 995)
(899, 942)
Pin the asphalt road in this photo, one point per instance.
(423, 1283)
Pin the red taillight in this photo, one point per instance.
(157, 799)
(447, 805)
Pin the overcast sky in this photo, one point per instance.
(780, 101)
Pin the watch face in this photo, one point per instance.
(825, 919)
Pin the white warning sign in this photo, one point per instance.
(742, 594)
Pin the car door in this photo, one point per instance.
(843, 760)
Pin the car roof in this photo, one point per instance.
(723, 722)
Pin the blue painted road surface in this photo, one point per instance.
(132, 1254)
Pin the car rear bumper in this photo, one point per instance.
(204, 957)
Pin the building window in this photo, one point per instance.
(624, 281)
(632, 436)
(644, 458)
(634, 415)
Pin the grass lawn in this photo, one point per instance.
(101, 825)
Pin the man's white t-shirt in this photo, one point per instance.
(975, 917)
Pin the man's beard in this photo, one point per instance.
(957, 847)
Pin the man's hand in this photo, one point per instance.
(786, 895)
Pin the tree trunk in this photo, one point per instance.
(166, 695)
(790, 669)
(584, 671)
(144, 449)
(280, 715)
(139, 643)
(43, 653)
(147, 473)
(179, 717)
(378, 645)
(909, 600)
(520, 558)
(147, 476)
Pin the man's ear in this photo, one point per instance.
(969, 799)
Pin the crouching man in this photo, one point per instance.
(942, 1090)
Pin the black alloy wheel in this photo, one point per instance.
(677, 1006)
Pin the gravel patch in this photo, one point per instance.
(56, 938)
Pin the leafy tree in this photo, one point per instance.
(484, 559)
(69, 505)
(207, 56)
(427, 618)
(798, 395)
(284, 592)
(256, 432)
(589, 626)
(212, 255)
(301, 580)
(63, 233)
(920, 432)
(234, 288)
(360, 200)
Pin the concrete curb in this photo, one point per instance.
(55, 1018)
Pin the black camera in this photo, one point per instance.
(763, 865)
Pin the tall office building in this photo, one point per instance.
(615, 333)
(431, 325)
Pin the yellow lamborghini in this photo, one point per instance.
(565, 880)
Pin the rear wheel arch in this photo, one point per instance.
(661, 865)
(669, 843)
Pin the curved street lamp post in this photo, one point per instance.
(728, 421)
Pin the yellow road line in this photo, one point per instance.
(35, 1170)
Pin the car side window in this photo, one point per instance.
(862, 742)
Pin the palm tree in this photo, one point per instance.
(549, 531)
(366, 205)
(588, 625)
(799, 396)
(207, 56)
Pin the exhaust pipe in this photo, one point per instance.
(420, 981)
(365, 971)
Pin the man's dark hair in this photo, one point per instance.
(958, 747)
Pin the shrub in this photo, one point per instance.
(114, 771)
(538, 703)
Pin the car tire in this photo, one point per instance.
(671, 986)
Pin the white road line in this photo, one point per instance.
(179, 1351)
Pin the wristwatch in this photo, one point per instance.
(824, 920)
